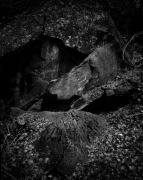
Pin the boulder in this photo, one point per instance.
(101, 66)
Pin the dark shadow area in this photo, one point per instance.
(103, 104)
(107, 104)
(21, 69)
(14, 63)
(52, 103)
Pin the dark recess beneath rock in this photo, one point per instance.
(26, 72)
(106, 104)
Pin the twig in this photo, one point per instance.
(4, 142)
(9, 174)
(8, 130)
(14, 140)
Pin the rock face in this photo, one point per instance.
(101, 66)
(72, 83)
(26, 72)
(58, 140)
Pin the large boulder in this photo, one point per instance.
(101, 66)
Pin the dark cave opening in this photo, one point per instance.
(22, 68)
